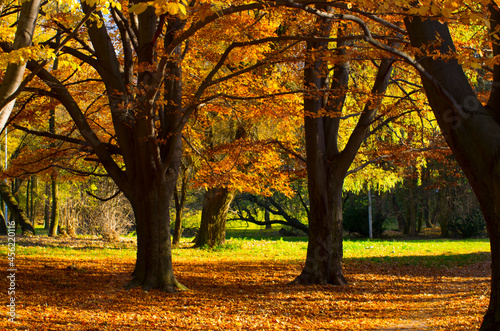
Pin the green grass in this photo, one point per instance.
(428, 253)
(259, 245)
(90, 252)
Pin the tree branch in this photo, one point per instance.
(113, 149)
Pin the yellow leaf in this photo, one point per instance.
(182, 8)
(476, 65)
(138, 8)
(172, 8)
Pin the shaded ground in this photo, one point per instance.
(64, 294)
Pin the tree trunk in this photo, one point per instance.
(412, 210)
(29, 198)
(15, 71)
(324, 251)
(444, 213)
(326, 165)
(34, 198)
(470, 130)
(3, 223)
(403, 196)
(153, 269)
(15, 208)
(267, 219)
(180, 200)
(176, 237)
(428, 211)
(216, 202)
(54, 210)
(46, 212)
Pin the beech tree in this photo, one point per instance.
(14, 72)
(11, 84)
(471, 129)
(148, 103)
(327, 162)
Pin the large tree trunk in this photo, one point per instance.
(325, 182)
(216, 202)
(153, 269)
(156, 170)
(324, 251)
(471, 131)
(326, 165)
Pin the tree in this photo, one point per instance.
(216, 202)
(180, 201)
(471, 129)
(14, 207)
(238, 136)
(327, 164)
(15, 70)
(148, 109)
(275, 205)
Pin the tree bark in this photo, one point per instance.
(54, 210)
(14, 73)
(326, 165)
(154, 269)
(470, 130)
(216, 202)
(325, 248)
(180, 200)
(412, 209)
(15, 208)
(46, 211)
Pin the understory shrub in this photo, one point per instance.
(355, 218)
(469, 226)
(83, 214)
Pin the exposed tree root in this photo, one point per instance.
(169, 287)
(310, 279)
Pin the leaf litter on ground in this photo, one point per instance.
(82, 289)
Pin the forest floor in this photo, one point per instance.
(77, 284)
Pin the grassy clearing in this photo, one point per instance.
(257, 245)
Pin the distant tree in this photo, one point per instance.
(247, 208)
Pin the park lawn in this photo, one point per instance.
(77, 284)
